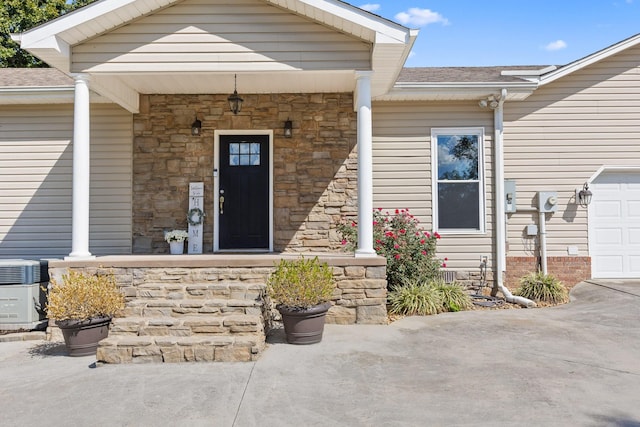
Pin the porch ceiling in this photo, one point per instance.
(247, 82)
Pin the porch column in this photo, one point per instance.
(365, 165)
(81, 154)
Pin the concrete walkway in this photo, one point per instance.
(574, 365)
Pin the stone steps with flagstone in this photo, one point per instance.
(212, 306)
(188, 323)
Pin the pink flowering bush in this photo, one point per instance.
(409, 250)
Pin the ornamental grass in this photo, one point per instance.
(543, 288)
(82, 296)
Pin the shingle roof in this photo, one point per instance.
(33, 77)
(462, 74)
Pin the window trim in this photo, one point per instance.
(479, 132)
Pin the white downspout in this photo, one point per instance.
(501, 218)
(498, 126)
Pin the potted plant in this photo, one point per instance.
(82, 306)
(176, 239)
(302, 290)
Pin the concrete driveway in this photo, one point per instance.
(574, 365)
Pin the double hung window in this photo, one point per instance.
(458, 181)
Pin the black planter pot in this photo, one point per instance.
(82, 336)
(304, 326)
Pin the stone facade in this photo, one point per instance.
(315, 171)
(213, 307)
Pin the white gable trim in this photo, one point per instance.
(591, 59)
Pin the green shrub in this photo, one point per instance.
(453, 296)
(543, 287)
(409, 250)
(414, 298)
(301, 283)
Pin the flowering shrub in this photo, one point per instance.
(410, 251)
(176, 236)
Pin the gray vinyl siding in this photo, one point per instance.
(219, 35)
(36, 174)
(402, 168)
(561, 135)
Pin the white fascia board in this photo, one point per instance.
(466, 85)
(591, 59)
(461, 92)
(49, 41)
(36, 95)
(392, 30)
(43, 95)
(65, 22)
(387, 61)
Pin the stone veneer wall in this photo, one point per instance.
(315, 175)
(213, 307)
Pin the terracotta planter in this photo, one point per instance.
(304, 326)
(82, 336)
(177, 248)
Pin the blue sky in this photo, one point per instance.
(509, 32)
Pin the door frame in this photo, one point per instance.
(216, 184)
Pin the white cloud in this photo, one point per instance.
(370, 7)
(556, 45)
(421, 17)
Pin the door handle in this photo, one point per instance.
(221, 205)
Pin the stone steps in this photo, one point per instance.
(171, 349)
(192, 322)
(144, 307)
(229, 323)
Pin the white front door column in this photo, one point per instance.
(81, 159)
(365, 165)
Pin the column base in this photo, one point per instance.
(365, 254)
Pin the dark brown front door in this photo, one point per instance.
(244, 192)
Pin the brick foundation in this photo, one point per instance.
(569, 270)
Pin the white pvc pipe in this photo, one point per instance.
(543, 241)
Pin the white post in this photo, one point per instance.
(365, 165)
(81, 171)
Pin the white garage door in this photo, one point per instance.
(614, 225)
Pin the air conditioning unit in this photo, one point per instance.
(22, 298)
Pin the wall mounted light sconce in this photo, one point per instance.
(584, 196)
(196, 127)
(235, 102)
(288, 129)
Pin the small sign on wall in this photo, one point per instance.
(195, 217)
